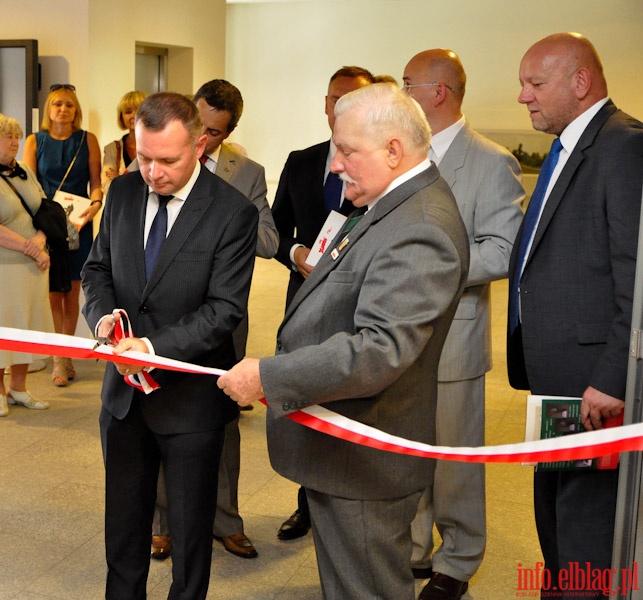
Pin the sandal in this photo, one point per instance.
(26, 400)
(59, 374)
(69, 367)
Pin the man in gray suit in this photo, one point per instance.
(176, 251)
(572, 278)
(486, 182)
(372, 318)
(220, 106)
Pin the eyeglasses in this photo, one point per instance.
(409, 86)
(62, 86)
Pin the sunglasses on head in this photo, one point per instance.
(62, 86)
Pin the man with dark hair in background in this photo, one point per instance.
(306, 194)
(220, 106)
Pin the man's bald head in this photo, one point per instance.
(436, 79)
(561, 77)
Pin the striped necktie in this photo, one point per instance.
(156, 236)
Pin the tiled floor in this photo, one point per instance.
(51, 490)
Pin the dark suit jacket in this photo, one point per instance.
(364, 333)
(192, 303)
(299, 211)
(578, 281)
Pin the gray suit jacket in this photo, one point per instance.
(249, 178)
(486, 181)
(364, 334)
(191, 304)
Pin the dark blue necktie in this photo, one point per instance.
(332, 191)
(529, 228)
(156, 236)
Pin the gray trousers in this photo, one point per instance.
(363, 547)
(456, 502)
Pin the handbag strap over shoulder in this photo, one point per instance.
(22, 200)
(73, 160)
(118, 156)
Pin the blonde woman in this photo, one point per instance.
(24, 265)
(120, 155)
(49, 153)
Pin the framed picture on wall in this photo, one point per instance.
(19, 82)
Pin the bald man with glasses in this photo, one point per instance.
(486, 182)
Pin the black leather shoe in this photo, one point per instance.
(443, 587)
(295, 527)
(422, 572)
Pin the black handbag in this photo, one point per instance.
(51, 219)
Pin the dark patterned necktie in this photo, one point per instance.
(351, 220)
(529, 228)
(156, 236)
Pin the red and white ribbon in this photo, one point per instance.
(580, 446)
(142, 381)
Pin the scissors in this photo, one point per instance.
(106, 340)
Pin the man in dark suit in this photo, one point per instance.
(300, 207)
(572, 282)
(371, 319)
(220, 106)
(302, 203)
(185, 287)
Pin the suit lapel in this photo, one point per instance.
(226, 164)
(191, 213)
(138, 202)
(455, 156)
(317, 175)
(383, 207)
(569, 171)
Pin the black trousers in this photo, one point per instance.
(132, 455)
(575, 513)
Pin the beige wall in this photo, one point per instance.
(91, 43)
(281, 54)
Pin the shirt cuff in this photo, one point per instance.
(293, 264)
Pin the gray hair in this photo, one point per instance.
(9, 126)
(388, 112)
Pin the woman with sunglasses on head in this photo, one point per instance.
(120, 155)
(50, 152)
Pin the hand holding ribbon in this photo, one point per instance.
(243, 382)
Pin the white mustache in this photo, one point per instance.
(346, 177)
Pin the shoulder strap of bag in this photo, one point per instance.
(22, 200)
(118, 157)
(73, 160)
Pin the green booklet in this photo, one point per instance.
(554, 416)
